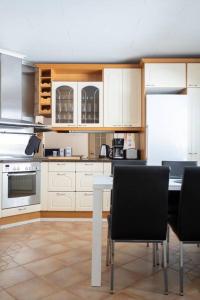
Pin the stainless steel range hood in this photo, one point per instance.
(16, 93)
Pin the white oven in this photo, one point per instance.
(21, 184)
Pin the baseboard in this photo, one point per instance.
(64, 216)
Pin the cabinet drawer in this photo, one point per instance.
(61, 201)
(107, 169)
(106, 200)
(20, 210)
(62, 166)
(61, 181)
(84, 201)
(84, 181)
(89, 167)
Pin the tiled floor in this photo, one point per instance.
(51, 261)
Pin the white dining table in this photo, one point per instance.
(100, 184)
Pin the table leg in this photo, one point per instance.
(97, 238)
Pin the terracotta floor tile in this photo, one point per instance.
(73, 256)
(5, 296)
(62, 295)
(28, 255)
(56, 259)
(65, 277)
(44, 266)
(84, 291)
(13, 276)
(33, 289)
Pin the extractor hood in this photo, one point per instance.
(16, 92)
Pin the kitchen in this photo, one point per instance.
(66, 115)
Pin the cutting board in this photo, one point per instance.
(64, 157)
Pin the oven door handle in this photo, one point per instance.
(21, 174)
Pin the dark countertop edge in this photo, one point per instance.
(45, 159)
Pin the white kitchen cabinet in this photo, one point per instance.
(122, 97)
(84, 201)
(62, 167)
(107, 168)
(194, 124)
(61, 201)
(90, 104)
(112, 97)
(193, 75)
(61, 181)
(84, 181)
(64, 104)
(89, 167)
(165, 77)
(131, 98)
(44, 166)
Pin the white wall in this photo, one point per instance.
(78, 141)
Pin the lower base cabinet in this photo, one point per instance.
(84, 201)
(61, 201)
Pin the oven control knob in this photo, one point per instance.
(26, 168)
(18, 168)
(14, 168)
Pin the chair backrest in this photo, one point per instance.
(177, 167)
(189, 207)
(140, 203)
(127, 162)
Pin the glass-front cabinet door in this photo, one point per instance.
(64, 104)
(90, 104)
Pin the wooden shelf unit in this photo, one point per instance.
(44, 91)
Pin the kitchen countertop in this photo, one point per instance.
(45, 159)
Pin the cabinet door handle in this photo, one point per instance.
(22, 208)
(87, 194)
(60, 194)
(88, 174)
(60, 174)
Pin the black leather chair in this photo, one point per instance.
(176, 172)
(186, 224)
(139, 209)
(123, 162)
(127, 162)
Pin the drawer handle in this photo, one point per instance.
(88, 164)
(60, 194)
(87, 194)
(88, 174)
(60, 164)
(22, 208)
(60, 174)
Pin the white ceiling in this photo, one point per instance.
(100, 30)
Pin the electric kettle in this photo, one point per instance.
(105, 150)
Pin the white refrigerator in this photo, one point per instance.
(167, 128)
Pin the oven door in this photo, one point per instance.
(20, 189)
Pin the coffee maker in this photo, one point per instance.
(118, 148)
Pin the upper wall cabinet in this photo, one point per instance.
(90, 104)
(165, 77)
(77, 104)
(64, 104)
(122, 97)
(193, 75)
